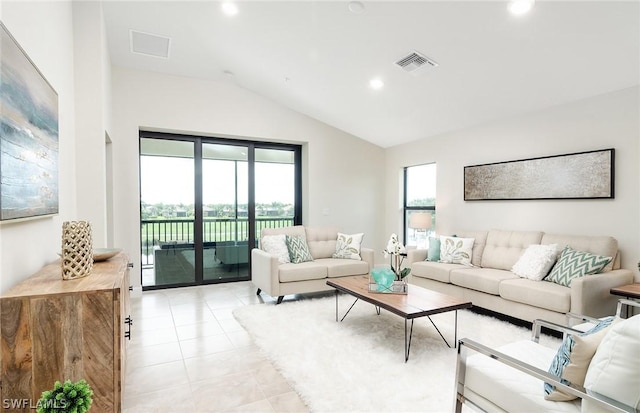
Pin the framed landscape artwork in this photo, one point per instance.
(583, 175)
(28, 136)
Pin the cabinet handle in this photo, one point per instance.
(128, 321)
(130, 265)
(131, 288)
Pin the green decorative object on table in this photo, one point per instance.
(383, 278)
(66, 398)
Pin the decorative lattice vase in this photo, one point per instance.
(77, 249)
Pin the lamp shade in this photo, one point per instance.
(420, 220)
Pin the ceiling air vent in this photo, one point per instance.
(149, 44)
(415, 62)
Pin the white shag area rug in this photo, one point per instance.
(357, 365)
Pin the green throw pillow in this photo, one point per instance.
(434, 249)
(573, 264)
(298, 249)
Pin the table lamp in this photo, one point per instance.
(421, 222)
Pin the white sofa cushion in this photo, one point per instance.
(505, 247)
(480, 240)
(510, 389)
(549, 296)
(340, 267)
(438, 271)
(536, 261)
(486, 280)
(322, 241)
(615, 368)
(303, 271)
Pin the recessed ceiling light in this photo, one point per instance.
(356, 7)
(229, 8)
(520, 7)
(376, 84)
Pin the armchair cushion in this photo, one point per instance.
(573, 358)
(614, 369)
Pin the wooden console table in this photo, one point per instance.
(54, 329)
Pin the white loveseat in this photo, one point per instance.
(278, 279)
(491, 285)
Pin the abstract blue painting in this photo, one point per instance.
(28, 136)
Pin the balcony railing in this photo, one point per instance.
(154, 233)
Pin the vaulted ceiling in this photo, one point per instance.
(318, 57)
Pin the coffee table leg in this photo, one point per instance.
(407, 340)
(434, 324)
(345, 314)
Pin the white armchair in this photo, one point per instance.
(510, 378)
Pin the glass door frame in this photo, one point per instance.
(198, 194)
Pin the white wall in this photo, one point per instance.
(93, 96)
(45, 32)
(607, 121)
(342, 174)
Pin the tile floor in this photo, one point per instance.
(188, 354)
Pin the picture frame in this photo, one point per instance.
(28, 136)
(580, 175)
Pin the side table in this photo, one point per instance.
(631, 291)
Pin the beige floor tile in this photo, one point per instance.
(140, 356)
(177, 400)
(155, 378)
(261, 406)
(200, 346)
(222, 394)
(153, 337)
(190, 331)
(240, 338)
(189, 354)
(288, 403)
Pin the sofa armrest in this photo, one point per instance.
(590, 294)
(466, 344)
(414, 255)
(264, 271)
(367, 254)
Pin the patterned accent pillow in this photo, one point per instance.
(456, 250)
(573, 358)
(433, 254)
(536, 261)
(573, 264)
(298, 249)
(276, 245)
(348, 246)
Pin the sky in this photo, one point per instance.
(170, 180)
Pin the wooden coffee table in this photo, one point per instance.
(418, 302)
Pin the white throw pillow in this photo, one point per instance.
(614, 368)
(276, 245)
(536, 261)
(348, 246)
(455, 250)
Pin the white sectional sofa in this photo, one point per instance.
(490, 284)
(278, 279)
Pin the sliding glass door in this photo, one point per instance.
(204, 202)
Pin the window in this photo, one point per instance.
(419, 204)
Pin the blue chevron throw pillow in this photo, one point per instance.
(573, 264)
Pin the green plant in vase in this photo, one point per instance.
(66, 398)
